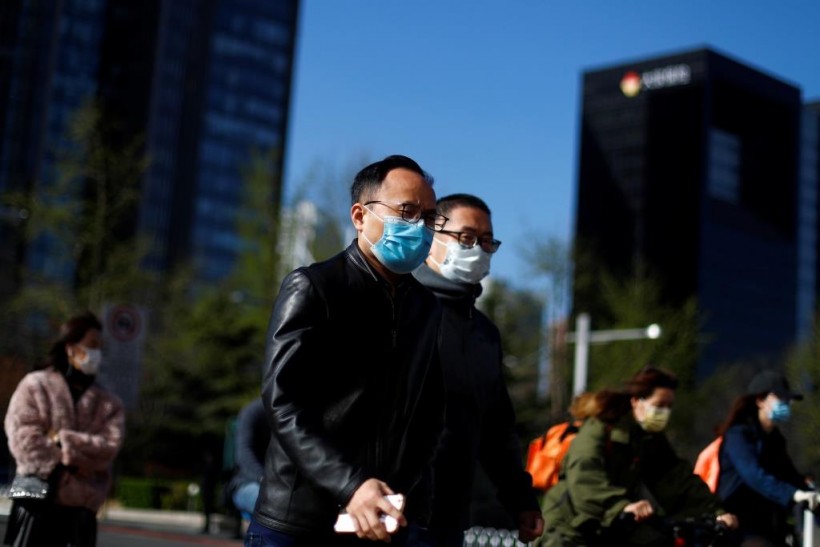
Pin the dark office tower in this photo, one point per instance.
(689, 169)
(208, 84)
(49, 58)
(221, 90)
(808, 237)
(204, 84)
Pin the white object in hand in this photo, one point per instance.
(811, 498)
(344, 523)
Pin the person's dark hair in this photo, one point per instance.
(71, 332)
(648, 379)
(369, 179)
(744, 408)
(448, 203)
(609, 405)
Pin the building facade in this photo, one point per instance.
(689, 169)
(808, 280)
(205, 84)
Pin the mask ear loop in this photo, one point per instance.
(369, 210)
(436, 262)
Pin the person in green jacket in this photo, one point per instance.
(621, 477)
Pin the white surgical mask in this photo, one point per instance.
(463, 265)
(655, 418)
(90, 364)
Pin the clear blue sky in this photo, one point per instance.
(485, 94)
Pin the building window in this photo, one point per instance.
(724, 165)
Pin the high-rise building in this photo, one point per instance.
(49, 62)
(808, 241)
(689, 167)
(206, 83)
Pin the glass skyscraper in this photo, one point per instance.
(689, 166)
(221, 91)
(205, 82)
(48, 68)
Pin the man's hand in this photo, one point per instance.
(728, 520)
(530, 526)
(367, 505)
(642, 510)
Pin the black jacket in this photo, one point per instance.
(352, 389)
(480, 420)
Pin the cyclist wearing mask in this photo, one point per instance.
(620, 473)
(758, 480)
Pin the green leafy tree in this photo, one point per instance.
(81, 219)
(204, 359)
(638, 302)
(549, 259)
(803, 368)
(196, 377)
(517, 314)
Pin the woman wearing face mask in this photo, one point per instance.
(758, 480)
(620, 476)
(64, 427)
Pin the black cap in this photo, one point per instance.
(770, 381)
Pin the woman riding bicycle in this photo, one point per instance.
(620, 473)
(758, 481)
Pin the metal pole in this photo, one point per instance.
(579, 381)
(544, 357)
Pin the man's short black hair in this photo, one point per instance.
(448, 203)
(370, 178)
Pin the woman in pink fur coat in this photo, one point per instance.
(63, 426)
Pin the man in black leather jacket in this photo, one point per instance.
(352, 385)
(480, 421)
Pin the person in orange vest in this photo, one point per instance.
(621, 477)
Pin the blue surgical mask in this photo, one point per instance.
(403, 246)
(780, 412)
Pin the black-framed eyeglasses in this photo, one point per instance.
(412, 212)
(468, 240)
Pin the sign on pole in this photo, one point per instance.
(123, 341)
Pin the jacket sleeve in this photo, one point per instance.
(739, 446)
(787, 470)
(251, 420)
(678, 490)
(501, 456)
(27, 423)
(291, 361)
(594, 497)
(95, 449)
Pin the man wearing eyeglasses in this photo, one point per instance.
(480, 421)
(352, 384)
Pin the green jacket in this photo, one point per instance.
(609, 466)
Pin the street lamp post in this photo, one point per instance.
(583, 337)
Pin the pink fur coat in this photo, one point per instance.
(90, 433)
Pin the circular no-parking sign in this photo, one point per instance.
(124, 323)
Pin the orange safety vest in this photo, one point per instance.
(707, 467)
(546, 452)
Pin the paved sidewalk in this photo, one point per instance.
(149, 521)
